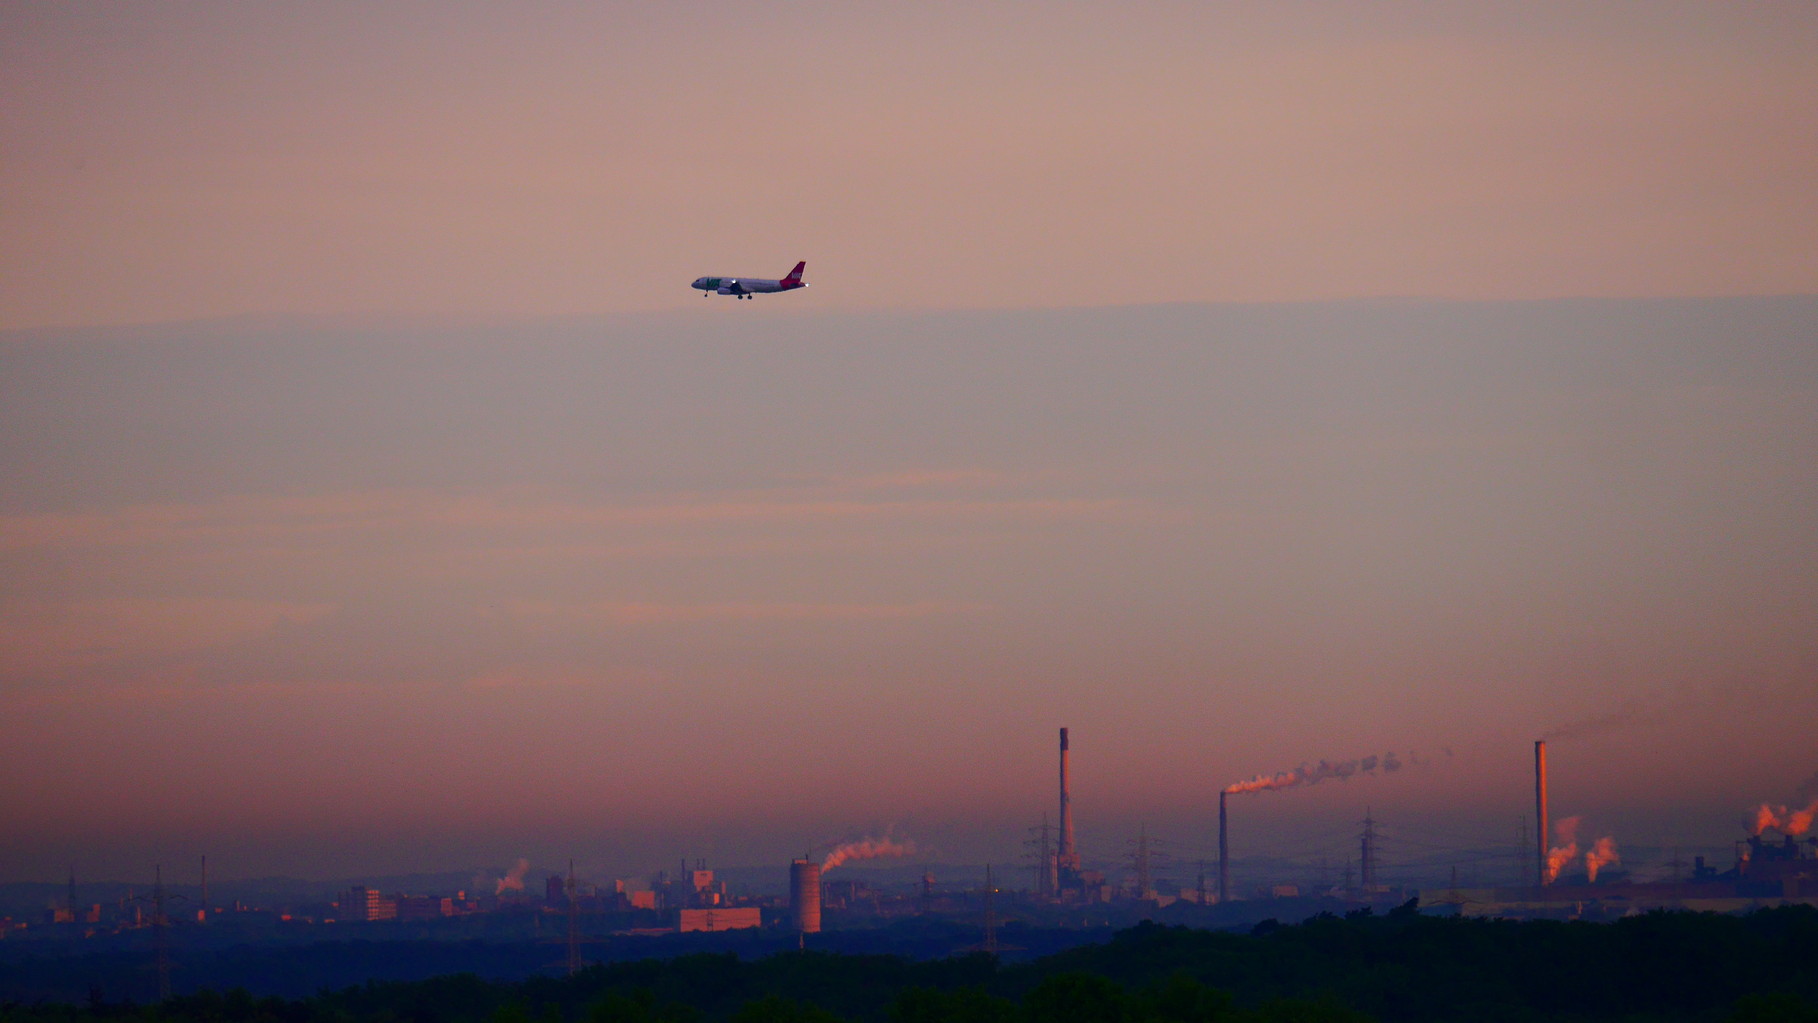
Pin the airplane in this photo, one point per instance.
(745, 287)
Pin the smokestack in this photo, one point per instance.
(805, 896)
(1540, 808)
(1067, 861)
(1224, 872)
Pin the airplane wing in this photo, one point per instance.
(732, 288)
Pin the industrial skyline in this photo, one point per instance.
(1268, 394)
(1772, 862)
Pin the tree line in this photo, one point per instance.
(1398, 967)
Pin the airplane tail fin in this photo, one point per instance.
(795, 276)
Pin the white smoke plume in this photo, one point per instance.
(1783, 819)
(1592, 726)
(866, 849)
(1808, 790)
(1313, 775)
(513, 881)
(1602, 854)
(1567, 850)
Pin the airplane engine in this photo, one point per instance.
(730, 288)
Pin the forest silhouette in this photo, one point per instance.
(1397, 967)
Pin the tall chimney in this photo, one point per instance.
(1540, 808)
(1067, 861)
(1224, 872)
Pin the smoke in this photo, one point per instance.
(1305, 775)
(1602, 854)
(1782, 819)
(513, 880)
(1592, 726)
(866, 849)
(1808, 790)
(1567, 850)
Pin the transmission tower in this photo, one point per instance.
(1523, 872)
(1369, 851)
(1043, 853)
(1140, 860)
(574, 935)
(160, 929)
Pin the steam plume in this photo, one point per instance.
(1567, 851)
(1765, 818)
(1305, 775)
(1593, 725)
(1808, 790)
(1784, 820)
(866, 849)
(1602, 854)
(513, 879)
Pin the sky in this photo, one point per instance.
(194, 160)
(1237, 385)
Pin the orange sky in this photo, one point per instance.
(464, 525)
(218, 158)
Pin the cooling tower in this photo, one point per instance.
(805, 895)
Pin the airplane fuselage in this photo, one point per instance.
(745, 287)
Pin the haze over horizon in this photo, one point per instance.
(672, 585)
(1238, 386)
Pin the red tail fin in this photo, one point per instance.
(795, 276)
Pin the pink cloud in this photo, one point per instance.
(50, 636)
(747, 611)
(278, 518)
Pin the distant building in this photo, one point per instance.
(642, 900)
(720, 918)
(363, 903)
(1766, 874)
(423, 907)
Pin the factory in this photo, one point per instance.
(1545, 874)
(1769, 871)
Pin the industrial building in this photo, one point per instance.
(363, 903)
(1768, 872)
(723, 918)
